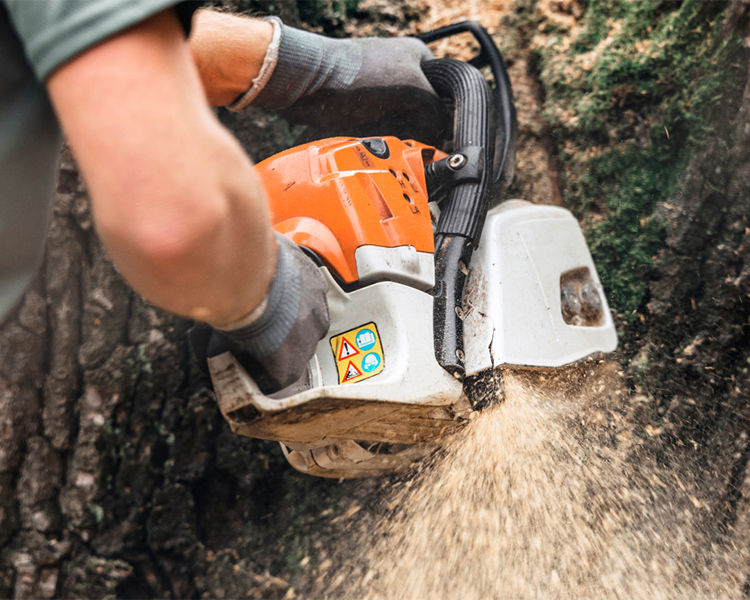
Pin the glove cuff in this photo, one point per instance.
(308, 62)
(266, 69)
(277, 313)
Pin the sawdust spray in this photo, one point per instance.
(540, 497)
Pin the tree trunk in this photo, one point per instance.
(692, 348)
(116, 468)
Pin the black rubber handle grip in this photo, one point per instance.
(452, 258)
(506, 133)
(464, 212)
(490, 149)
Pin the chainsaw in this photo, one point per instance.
(435, 285)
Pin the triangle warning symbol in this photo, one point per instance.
(347, 350)
(351, 372)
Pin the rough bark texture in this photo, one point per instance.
(693, 345)
(118, 475)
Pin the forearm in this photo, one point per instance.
(174, 197)
(203, 248)
(228, 51)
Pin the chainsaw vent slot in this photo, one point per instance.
(383, 447)
(580, 300)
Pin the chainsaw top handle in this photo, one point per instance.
(467, 172)
(471, 173)
(502, 95)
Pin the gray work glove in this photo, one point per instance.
(277, 346)
(361, 87)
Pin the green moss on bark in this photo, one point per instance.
(628, 89)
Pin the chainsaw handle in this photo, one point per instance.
(464, 211)
(502, 96)
(483, 160)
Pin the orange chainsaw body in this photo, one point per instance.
(335, 195)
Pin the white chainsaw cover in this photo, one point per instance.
(412, 400)
(512, 302)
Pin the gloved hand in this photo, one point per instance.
(277, 345)
(362, 87)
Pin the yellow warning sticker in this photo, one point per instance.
(358, 353)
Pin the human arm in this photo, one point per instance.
(174, 196)
(362, 87)
(228, 51)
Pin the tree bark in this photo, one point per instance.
(111, 475)
(693, 345)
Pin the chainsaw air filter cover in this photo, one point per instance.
(344, 199)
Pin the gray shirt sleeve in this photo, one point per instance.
(37, 36)
(55, 31)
